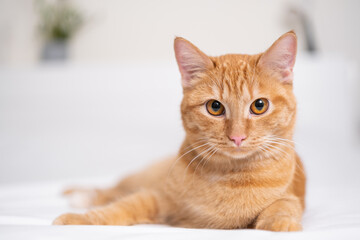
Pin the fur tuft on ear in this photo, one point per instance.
(280, 57)
(190, 60)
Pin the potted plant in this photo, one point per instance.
(58, 23)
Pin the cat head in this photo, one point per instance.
(238, 105)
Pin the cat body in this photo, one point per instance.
(237, 167)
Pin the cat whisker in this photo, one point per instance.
(281, 143)
(276, 147)
(297, 164)
(185, 171)
(268, 150)
(200, 140)
(275, 137)
(207, 160)
(283, 140)
(278, 137)
(192, 160)
(262, 149)
(204, 158)
(299, 167)
(265, 151)
(176, 161)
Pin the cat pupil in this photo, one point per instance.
(259, 104)
(216, 106)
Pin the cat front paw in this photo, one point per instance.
(81, 197)
(281, 223)
(72, 219)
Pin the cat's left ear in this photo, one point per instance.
(280, 57)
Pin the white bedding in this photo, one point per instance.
(27, 210)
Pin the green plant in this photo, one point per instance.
(59, 20)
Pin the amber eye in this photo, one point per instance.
(215, 108)
(259, 106)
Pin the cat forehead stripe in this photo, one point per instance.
(240, 64)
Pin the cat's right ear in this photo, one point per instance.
(191, 61)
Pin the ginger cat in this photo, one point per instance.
(237, 167)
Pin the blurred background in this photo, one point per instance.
(91, 88)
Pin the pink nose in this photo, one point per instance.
(238, 139)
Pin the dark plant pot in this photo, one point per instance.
(55, 51)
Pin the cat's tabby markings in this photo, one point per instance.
(237, 167)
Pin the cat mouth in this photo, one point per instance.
(237, 152)
(237, 149)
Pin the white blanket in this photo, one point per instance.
(26, 212)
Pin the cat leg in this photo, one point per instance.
(283, 215)
(88, 197)
(91, 197)
(137, 208)
(80, 197)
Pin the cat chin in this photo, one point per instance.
(237, 153)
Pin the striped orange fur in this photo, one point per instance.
(216, 181)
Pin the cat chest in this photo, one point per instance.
(230, 197)
(231, 201)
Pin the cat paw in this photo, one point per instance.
(72, 219)
(279, 224)
(81, 198)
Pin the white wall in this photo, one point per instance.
(144, 30)
(18, 42)
(141, 30)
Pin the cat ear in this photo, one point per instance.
(280, 57)
(191, 61)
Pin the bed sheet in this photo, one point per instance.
(27, 210)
